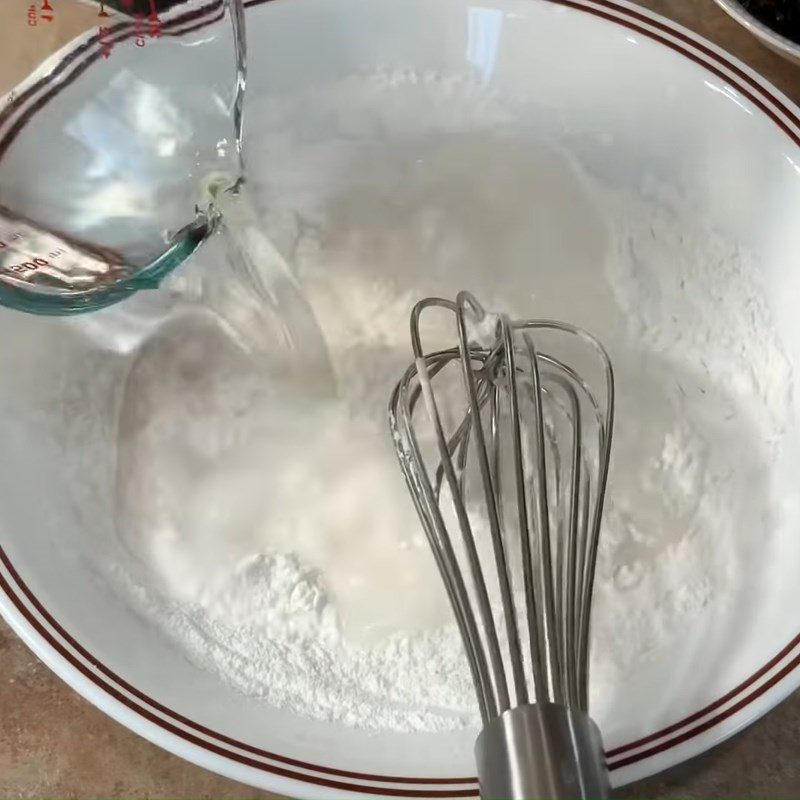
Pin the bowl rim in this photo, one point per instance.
(661, 749)
(759, 29)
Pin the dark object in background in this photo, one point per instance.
(783, 16)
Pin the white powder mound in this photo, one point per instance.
(272, 536)
(272, 633)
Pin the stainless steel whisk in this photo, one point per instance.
(505, 435)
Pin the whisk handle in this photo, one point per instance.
(541, 751)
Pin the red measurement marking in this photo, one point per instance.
(104, 40)
(45, 12)
(26, 266)
(147, 26)
(155, 22)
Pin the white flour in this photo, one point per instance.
(277, 544)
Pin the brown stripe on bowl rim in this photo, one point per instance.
(761, 95)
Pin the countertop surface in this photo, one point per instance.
(55, 744)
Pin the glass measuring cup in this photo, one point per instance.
(106, 140)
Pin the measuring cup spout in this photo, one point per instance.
(107, 131)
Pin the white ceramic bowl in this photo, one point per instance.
(633, 96)
(780, 44)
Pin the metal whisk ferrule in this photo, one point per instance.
(504, 444)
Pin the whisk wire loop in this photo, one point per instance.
(523, 518)
(523, 450)
(426, 501)
(490, 497)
